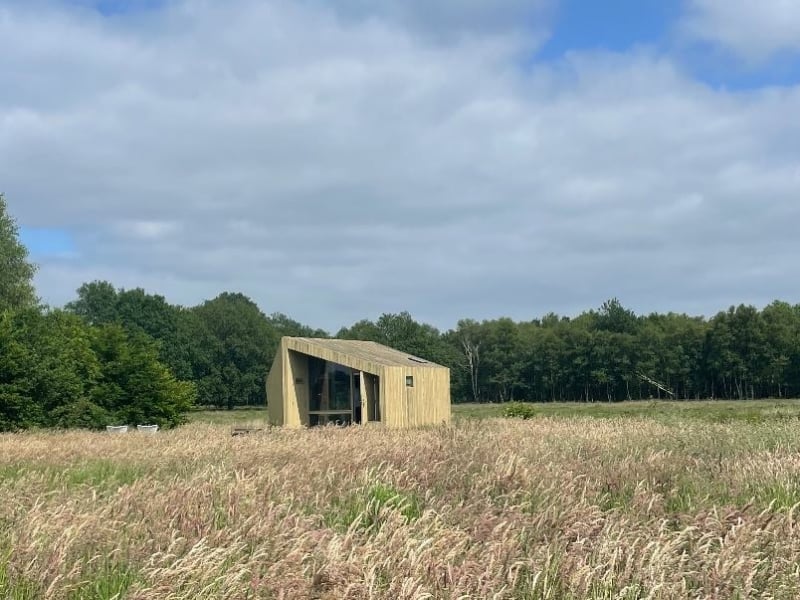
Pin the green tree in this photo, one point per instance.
(18, 406)
(616, 318)
(16, 271)
(362, 330)
(96, 303)
(466, 343)
(782, 329)
(402, 332)
(502, 356)
(57, 371)
(132, 385)
(67, 367)
(285, 326)
(240, 349)
(196, 347)
(100, 303)
(46, 366)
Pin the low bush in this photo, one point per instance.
(518, 410)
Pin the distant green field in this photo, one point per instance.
(240, 416)
(714, 411)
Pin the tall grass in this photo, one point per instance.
(545, 508)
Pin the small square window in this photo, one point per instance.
(409, 381)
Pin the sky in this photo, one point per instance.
(339, 159)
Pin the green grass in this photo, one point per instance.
(108, 581)
(367, 507)
(103, 475)
(709, 411)
(15, 588)
(13, 472)
(239, 416)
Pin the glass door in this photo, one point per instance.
(331, 394)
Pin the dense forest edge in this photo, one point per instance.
(127, 356)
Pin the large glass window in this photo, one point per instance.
(331, 386)
(318, 384)
(341, 382)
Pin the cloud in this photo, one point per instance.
(335, 167)
(146, 230)
(753, 31)
(447, 17)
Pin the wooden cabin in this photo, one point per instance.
(316, 381)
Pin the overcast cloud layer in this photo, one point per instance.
(339, 160)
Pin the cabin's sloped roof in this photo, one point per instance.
(371, 352)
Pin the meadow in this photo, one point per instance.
(716, 411)
(649, 500)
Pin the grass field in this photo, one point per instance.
(668, 502)
(719, 411)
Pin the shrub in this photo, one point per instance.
(82, 413)
(518, 410)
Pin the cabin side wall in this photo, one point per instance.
(275, 397)
(392, 391)
(296, 389)
(426, 402)
(429, 398)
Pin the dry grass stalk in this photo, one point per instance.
(497, 509)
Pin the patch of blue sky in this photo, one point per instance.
(46, 241)
(722, 71)
(613, 25)
(118, 7)
(623, 25)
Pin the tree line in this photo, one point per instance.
(610, 354)
(226, 345)
(115, 355)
